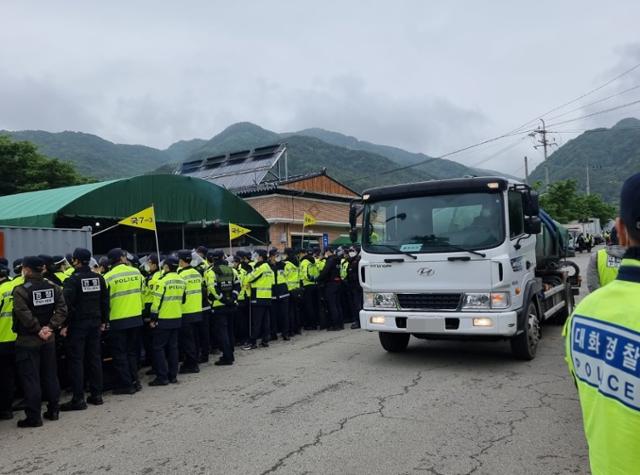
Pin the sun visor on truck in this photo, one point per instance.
(439, 187)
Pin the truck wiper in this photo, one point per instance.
(396, 249)
(444, 241)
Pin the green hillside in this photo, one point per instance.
(183, 149)
(92, 155)
(610, 154)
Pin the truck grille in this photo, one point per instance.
(429, 301)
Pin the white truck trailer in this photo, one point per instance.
(456, 259)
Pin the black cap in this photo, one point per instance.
(630, 203)
(57, 260)
(115, 254)
(46, 259)
(153, 258)
(4, 262)
(17, 265)
(171, 261)
(83, 255)
(184, 255)
(261, 252)
(202, 250)
(289, 251)
(215, 254)
(273, 252)
(35, 263)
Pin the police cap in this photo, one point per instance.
(153, 258)
(273, 252)
(184, 255)
(289, 251)
(171, 261)
(202, 250)
(83, 255)
(630, 204)
(115, 254)
(35, 263)
(261, 252)
(17, 265)
(46, 259)
(216, 254)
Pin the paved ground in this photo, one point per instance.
(330, 403)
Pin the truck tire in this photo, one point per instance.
(394, 342)
(525, 345)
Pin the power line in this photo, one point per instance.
(581, 96)
(604, 111)
(595, 102)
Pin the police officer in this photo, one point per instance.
(261, 281)
(308, 278)
(280, 297)
(87, 299)
(7, 341)
(191, 313)
(223, 288)
(291, 275)
(603, 352)
(152, 274)
(355, 289)
(243, 269)
(604, 264)
(125, 285)
(166, 320)
(330, 277)
(38, 311)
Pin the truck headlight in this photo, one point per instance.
(375, 300)
(488, 300)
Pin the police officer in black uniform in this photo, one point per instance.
(330, 276)
(38, 311)
(87, 298)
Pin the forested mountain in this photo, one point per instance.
(92, 155)
(610, 155)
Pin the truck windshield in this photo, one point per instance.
(438, 223)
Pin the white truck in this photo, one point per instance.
(456, 259)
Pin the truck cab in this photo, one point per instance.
(455, 259)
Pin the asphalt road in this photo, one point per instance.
(330, 403)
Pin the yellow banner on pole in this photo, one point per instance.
(145, 219)
(236, 231)
(309, 220)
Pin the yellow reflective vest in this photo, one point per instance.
(168, 298)
(344, 268)
(6, 309)
(603, 354)
(607, 267)
(125, 285)
(261, 280)
(291, 275)
(192, 307)
(308, 271)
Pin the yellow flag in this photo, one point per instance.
(309, 219)
(236, 231)
(145, 219)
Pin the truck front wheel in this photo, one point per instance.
(394, 342)
(524, 345)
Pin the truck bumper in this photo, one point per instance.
(444, 323)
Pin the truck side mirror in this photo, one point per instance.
(354, 211)
(531, 204)
(532, 225)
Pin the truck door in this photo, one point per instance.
(522, 259)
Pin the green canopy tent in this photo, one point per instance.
(189, 211)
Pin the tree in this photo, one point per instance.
(24, 169)
(563, 202)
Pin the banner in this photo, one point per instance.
(236, 231)
(145, 219)
(309, 220)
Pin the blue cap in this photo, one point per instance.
(630, 203)
(35, 263)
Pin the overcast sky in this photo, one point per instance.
(422, 75)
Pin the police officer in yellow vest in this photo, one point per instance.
(308, 278)
(191, 313)
(603, 353)
(166, 319)
(223, 288)
(152, 274)
(604, 264)
(243, 269)
(125, 285)
(292, 277)
(7, 340)
(261, 280)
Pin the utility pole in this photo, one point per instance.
(526, 170)
(588, 180)
(545, 144)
